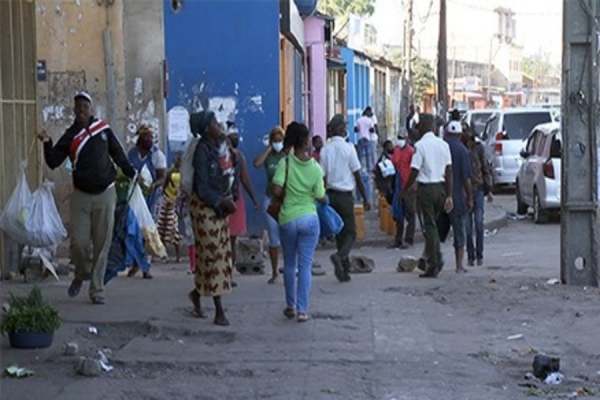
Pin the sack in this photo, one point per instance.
(329, 220)
(44, 225)
(149, 229)
(187, 167)
(276, 203)
(32, 220)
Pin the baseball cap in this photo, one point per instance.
(336, 122)
(83, 95)
(454, 127)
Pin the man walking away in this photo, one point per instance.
(461, 194)
(431, 167)
(92, 147)
(402, 158)
(481, 181)
(364, 127)
(341, 169)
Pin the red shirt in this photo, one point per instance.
(316, 156)
(401, 159)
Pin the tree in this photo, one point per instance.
(423, 78)
(341, 8)
(536, 66)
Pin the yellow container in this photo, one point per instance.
(359, 215)
(391, 224)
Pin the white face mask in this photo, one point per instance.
(277, 146)
(401, 142)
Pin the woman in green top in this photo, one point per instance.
(269, 159)
(302, 179)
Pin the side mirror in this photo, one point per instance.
(524, 153)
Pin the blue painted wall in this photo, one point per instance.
(358, 90)
(228, 49)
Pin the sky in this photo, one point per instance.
(539, 22)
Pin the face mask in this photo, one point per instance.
(277, 146)
(401, 142)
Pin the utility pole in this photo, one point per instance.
(442, 67)
(407, 84)
(579, 233)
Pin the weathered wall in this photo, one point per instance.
(144, 41)
(224, 56)
(71, 40)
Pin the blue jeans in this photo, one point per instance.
(272, 226)
(476, 217)
(366, 154)
(299, 240)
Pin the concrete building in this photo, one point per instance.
(49, 50)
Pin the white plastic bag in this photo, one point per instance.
(44, 225)
(14, 216)
(144, 218)
(32, 219)
(187, 167)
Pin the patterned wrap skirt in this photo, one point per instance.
(168, 222)
(213, 250)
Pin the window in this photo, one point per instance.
(518, 125)
(556, 147)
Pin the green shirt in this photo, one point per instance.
(271, 166)
(304, 184)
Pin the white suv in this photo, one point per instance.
(503, 138)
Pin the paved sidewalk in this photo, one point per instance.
(383, 336)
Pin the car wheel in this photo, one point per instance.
(522, 208)
(539, 214)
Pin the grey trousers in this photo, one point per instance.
(92, 221)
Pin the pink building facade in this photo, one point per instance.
(316, 28)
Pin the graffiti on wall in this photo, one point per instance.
(141, 111)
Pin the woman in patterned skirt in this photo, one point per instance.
(168, 221)
(215, 192)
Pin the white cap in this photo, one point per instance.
(455, 127)
(83, 95)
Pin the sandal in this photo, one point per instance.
(74, 288)
(272, 281)
(221, 321)
(195, 299)
(289, 312)
(132, 271)
(303, 317)
(98, 300)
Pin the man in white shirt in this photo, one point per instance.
(431, 167)
(364, 128)
(341, 169)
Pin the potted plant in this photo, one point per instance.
(30, 321)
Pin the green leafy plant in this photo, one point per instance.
(30, 313)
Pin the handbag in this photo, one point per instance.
(277, 201)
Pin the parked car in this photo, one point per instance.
(503, 138)
(477, 119)
(538, 180)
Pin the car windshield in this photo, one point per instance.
(478, 122)
(519, 125)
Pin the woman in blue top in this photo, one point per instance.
(151, 166)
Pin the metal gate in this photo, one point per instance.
(17, 103)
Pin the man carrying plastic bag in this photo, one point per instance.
(91, 147)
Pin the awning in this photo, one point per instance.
(336, 63)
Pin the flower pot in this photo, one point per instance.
(30, 340)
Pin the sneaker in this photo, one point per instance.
(479, 262)
(395, 245)
(471, 263)
(317, 270)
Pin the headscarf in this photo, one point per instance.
(200, 121)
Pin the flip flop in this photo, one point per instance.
(221, 321)
(98, 301)
(272, 281)
(195, 299)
